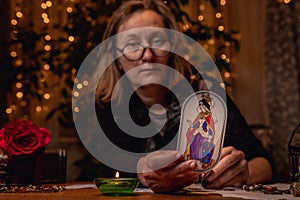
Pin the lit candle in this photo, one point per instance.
(116, 186)
(117, 175)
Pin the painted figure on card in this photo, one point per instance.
(200, 134)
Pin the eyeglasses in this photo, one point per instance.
(135, 51)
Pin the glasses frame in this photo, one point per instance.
(144, 49)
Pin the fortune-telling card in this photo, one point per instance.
(202, 129)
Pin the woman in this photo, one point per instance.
(243, 160)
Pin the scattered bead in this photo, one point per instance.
(295, 189)
(31, 188)
(266, 189)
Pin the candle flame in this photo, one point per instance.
(117, 175)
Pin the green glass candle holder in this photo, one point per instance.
(116, 186)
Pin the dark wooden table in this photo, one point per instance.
(94, 194)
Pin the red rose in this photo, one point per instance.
(22, 137)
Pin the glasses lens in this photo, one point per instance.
(161, 48)
(133, 51)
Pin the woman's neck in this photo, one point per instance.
(153, 94)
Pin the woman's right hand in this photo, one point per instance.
(166, 171)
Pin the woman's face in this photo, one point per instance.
(140, 67)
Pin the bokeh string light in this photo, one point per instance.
(45, 69)
(16, 55)
(22, 105)
(222, 56)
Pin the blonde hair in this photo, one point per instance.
(112, 74)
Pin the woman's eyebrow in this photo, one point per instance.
(158, 33)
(130, 36)
(141, 36)
(126, 37)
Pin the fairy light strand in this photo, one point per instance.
(19, 100)
(16, 55)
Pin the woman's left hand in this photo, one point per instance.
(232, 170)
(166, 171)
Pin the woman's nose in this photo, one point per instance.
(148, 55)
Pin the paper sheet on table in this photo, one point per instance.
(80, 186)
(239, 193)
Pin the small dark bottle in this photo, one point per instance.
(294, 155)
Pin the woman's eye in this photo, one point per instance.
(133, 45)
(157, 42)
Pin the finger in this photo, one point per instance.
(151, 176)
(237, 180)
(225, 163)
(186, 169)
(231, 175)
(227, 150)
(160, 159)
(181, 168)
